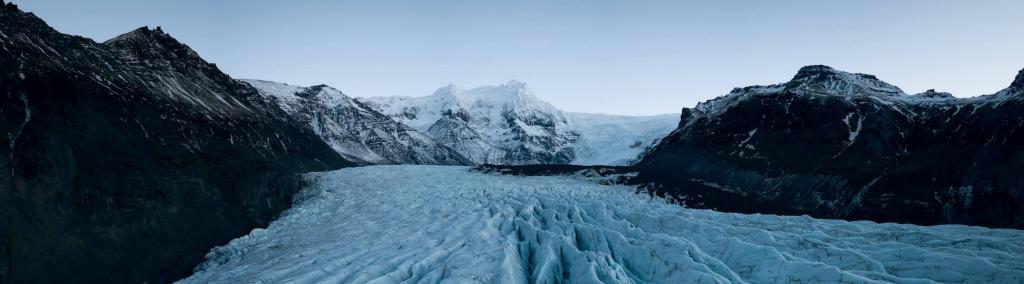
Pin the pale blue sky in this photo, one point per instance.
(621, 57)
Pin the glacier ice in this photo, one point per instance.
(438, 224)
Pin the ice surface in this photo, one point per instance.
(435, 224)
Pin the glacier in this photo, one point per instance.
(450, 224)
(606, 139)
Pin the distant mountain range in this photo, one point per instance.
(507, 124)
(503, 124)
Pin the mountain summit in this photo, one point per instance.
(153, 44)
(502, 124)
(825, 79)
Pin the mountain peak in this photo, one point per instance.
(510, 89)
(515, 84)
(153, 45)
(448, 90)
(819, 71)
(140, 33)
(824, 78)
(1019, 81)
(8, 6)
(518, 89)
(814, 70)
(932, 94)
(15, 20)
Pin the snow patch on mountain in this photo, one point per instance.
(412, 224)
(355, 131)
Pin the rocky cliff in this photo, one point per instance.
(126, 161)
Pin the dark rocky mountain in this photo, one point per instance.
(834, 144)
(354, 130)
(126, 161)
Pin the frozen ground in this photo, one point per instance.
(435, 224)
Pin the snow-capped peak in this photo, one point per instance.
(489, 100)
(448, 90)
(508, 124)
(515, 84)
(511, 92)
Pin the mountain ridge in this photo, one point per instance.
(354, 130)
(844, 145)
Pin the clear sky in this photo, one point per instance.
(621, 57)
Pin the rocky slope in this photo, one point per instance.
(125, 161)
(507, 124)
(840, 145)
(355, 131)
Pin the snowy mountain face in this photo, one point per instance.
(123, 161)
(842, 145)
(617, 139)
(507, 124)
(498, 125)
(355, 131)
(435, 224)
